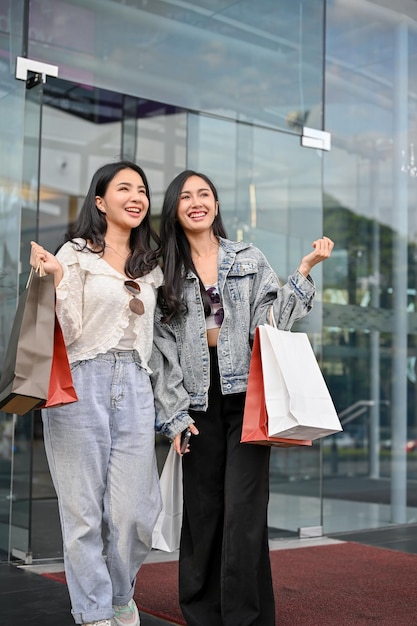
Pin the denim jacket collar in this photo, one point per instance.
(227, 253)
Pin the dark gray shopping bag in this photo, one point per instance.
(25, 376)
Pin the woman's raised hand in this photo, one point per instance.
(322, 250)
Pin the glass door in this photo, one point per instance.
(270, 192)
(83, 127)
(20, 428)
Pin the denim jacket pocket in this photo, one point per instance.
(240, 280)
(243, 267)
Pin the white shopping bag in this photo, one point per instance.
(166, 534)
(298, 401)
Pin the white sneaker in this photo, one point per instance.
(101, 622)
(126, 615)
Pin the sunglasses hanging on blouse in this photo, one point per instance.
(135, 304)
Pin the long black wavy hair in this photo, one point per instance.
(91, 224)
(176, 252)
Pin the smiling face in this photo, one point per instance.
(197, 206)
(125, 203)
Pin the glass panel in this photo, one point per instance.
(370, 284)
(22, 447)
(13, 441)
(270, 194)
(85, 127)
(129, 134)
(161, 149)
(81, 130)
(256, 62)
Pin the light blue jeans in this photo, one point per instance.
(101, 455)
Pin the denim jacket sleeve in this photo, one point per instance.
(171, 399)
(290, 301)
(294, 300)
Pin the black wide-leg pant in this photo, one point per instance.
(224, 568)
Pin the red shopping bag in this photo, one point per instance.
(255, 417)
(61, 388)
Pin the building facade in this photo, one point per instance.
(303, 114)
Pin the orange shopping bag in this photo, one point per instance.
(61, 389)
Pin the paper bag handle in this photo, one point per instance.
(272, 321)
(39, 270)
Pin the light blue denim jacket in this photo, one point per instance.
(180, 359)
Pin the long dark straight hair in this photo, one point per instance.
(91, 223)
(176, 252)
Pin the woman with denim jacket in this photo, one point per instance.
(215, 293)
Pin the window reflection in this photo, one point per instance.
(254, 62)
(370, 283)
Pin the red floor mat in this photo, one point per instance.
(346, 584)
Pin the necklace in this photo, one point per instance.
(115, 252)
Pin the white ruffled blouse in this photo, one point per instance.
(92, 305)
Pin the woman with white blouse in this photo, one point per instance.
(101, 449)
